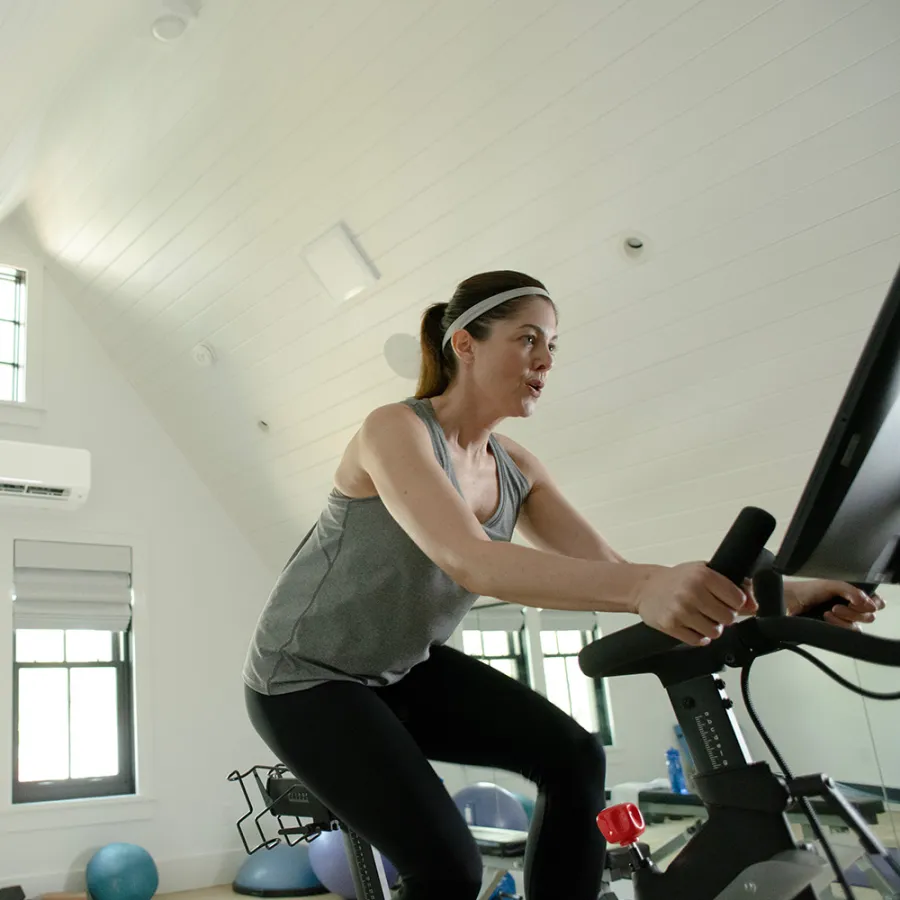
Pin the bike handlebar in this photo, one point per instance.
(640, 648)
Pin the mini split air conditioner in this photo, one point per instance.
(38, 476)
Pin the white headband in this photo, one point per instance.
(471, 314)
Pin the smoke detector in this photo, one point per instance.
(203, 355)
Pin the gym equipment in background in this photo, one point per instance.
(370, 874)
(489, 804)
(279, 871)
(331, 864)
(121, 871)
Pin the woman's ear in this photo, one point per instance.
(463, 346)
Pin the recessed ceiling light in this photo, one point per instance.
(169, 28)
(634, 245)
(339, 264)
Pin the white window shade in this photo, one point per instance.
(567, 620)
(71, 586)
(495, 618)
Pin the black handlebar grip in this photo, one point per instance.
(743, 544)
(607, 655)
(734, 558)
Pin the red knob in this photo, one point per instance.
(621, 824)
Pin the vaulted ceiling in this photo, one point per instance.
(753, 145)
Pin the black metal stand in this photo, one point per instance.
(286, 797)
(366, 867)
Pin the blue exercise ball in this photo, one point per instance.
(282, 871)
(492, 806)
(121, 872)
(329, 860)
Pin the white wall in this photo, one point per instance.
(199, 588)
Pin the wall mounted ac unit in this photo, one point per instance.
(38, 476)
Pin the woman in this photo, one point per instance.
(348, 679)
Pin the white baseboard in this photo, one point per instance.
(192, 872)
(184, 874)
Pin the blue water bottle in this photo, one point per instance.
(676, 772)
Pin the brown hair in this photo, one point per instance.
(439, 363)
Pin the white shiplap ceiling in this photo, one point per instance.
(755, 144)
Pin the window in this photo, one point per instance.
(582, 698)
(544, 655)
(72, 710)
(493, 634)
(500, 649)
(73, 713)
(12, 334)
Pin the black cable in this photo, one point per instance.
(857, 689)
(803, 801)
(872, 695)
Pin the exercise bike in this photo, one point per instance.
(746, 847)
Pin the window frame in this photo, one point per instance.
(123, 783)
(602, 709)
(28, 412)
(519, 659)
(19, 378)
(533, 673)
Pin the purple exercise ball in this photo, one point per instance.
(492, 806)
(328, 858)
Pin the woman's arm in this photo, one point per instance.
(396, 452)
(690, 602)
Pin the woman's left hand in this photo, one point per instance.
(802, 595)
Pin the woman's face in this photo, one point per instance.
(513, 363)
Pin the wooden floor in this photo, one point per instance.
(224, 892)
(656, 835)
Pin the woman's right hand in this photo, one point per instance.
(691, 602)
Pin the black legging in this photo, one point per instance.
(364, 753)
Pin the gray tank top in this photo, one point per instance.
(359, 601)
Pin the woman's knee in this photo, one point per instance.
(581, 758)
(590, 752)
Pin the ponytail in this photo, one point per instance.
(435, 370)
